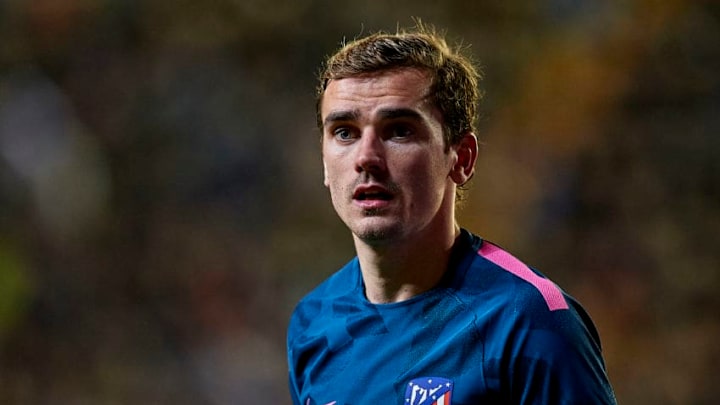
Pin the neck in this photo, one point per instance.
(400, 270)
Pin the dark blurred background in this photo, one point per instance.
(162, 207)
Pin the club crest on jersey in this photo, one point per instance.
(428, 391)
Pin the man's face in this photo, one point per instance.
(384, 157)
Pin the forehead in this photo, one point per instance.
(398, 88)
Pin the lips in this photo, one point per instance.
(372, 193)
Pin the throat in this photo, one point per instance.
(387, 294)
(396, 277)
(399, 269)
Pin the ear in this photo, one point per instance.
(467, 152)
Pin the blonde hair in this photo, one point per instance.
(454, 88)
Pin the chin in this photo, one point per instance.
(377, 235)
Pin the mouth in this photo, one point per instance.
(373, 193)
(383, 196)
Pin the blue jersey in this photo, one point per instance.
(493, 331)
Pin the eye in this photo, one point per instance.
(343, 133)
(400, 131)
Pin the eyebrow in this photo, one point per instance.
(394, 113)
(383, 114)
(343, 115)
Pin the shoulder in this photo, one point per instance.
(533, 286)
(515, 304)
(521, 296)
(343, 283)
(555, 347)
(492, 276)
(489, 278)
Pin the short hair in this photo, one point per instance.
(454, 86)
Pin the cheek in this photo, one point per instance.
(330, 171)
(332, 181)
(428, 182)
(430, 171)
(325, 174)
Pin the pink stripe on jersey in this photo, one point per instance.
(552, 294)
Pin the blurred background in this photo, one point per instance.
(162, 207)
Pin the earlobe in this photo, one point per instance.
(467, 152)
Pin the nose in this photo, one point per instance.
(370, 156)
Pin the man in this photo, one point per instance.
(427, 313)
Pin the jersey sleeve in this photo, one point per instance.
(541, 346)
(292, 377)
(555, 358)
(293, 390)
